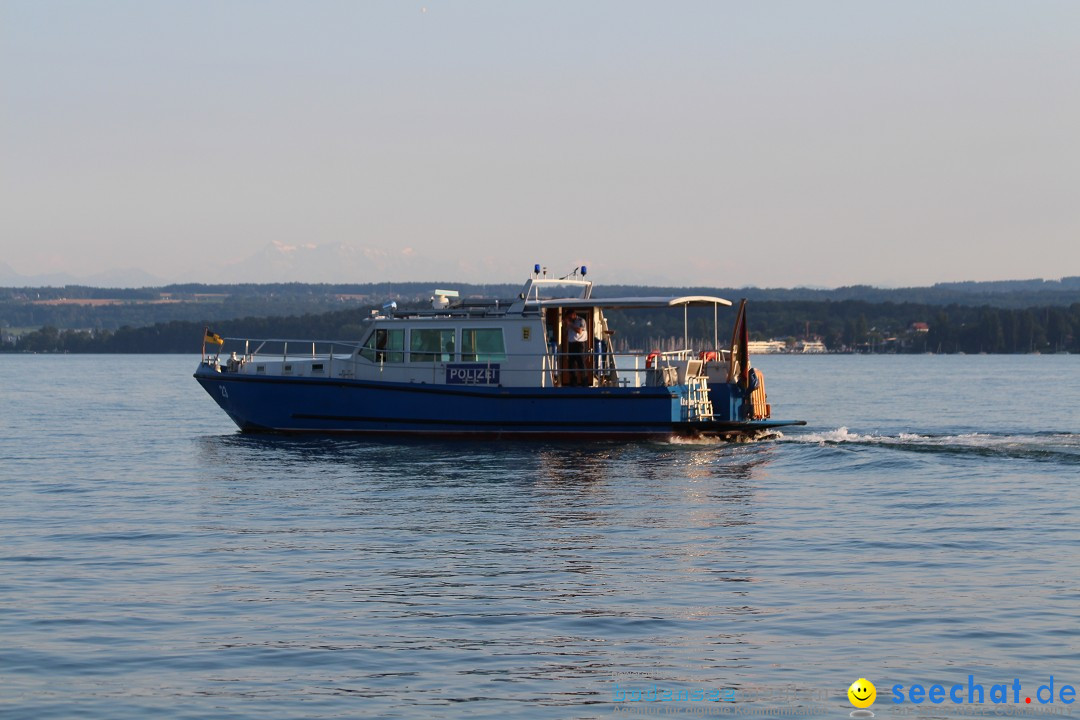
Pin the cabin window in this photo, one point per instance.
(431, 345)
(484, 345)
(385, 346)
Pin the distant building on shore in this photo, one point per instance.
(810, 346)
(767, 346)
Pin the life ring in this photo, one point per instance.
(652, 358)
(708, 356)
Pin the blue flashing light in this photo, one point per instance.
(584, 270)
(536, 268)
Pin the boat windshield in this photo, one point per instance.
(542, 289)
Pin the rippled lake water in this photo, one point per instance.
(156, 563)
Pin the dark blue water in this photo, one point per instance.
(156, 563)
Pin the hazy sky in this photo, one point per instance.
(726, 143)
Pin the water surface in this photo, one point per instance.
(156, 563)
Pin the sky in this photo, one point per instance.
(767, 143)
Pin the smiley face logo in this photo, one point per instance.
(862, 693)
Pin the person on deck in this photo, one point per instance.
(578, 338)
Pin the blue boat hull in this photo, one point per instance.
(305, 404)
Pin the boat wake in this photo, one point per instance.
(739, 438)
(1057, 447)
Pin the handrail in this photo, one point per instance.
(614, 370)
(608, 369)
(336, 346)
(355, 343)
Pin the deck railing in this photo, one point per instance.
(603, 367)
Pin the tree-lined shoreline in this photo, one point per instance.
(846, 326)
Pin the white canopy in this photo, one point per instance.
(630, 302)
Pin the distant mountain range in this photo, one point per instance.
(329, 263)
(123, 277)
(273, 263)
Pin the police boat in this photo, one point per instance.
(542, 364)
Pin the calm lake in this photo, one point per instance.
(155, 563)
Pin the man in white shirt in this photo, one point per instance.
(578, 338)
